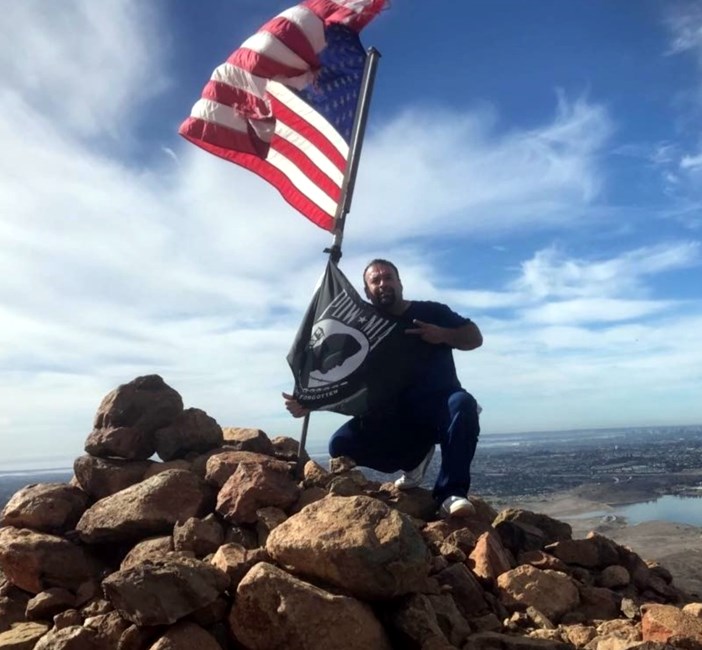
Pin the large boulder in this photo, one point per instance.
(164, 591)
(74, 637)
(129, 416)
(38, 561)
(149, 549)
(149, 508)
(273, 609)
(101, 477)
(254, 486)
(668, 624)
(220, 465)
(45, 507)
(551, 592)
(192, 431)
(490, 558)
(356, 543)
(248, 439)
(198, 536)
(23, 636)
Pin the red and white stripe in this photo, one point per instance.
(247, 115)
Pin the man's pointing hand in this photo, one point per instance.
(428, 332)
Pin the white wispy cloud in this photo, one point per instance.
(460, 172)
(685, 22)
(550, 273)
(87, 65)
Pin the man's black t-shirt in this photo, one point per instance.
(435, 373)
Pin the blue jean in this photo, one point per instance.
(401, 439)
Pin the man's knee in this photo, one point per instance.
(338, 446)
(344, 442)
(464, 403)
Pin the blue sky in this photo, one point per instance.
(537, 166)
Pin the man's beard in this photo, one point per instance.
(385, 300)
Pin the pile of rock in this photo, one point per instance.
(223, 545)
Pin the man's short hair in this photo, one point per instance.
(379, 260)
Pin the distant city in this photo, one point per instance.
(613, 465)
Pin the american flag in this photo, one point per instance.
(283, 104)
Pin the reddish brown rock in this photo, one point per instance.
(452, 623)
(307, 496)
(542, 560)
(248, 439)
(152, 548)
(101, 477)
(45, 508)
(272, 609)
(164, 591)
(157, 468)
(669, 624)
(613, 577)
(213, 613)
(287, 449)
(46, 604)
(254, 486)
(523, 530)
(23, 636)
(551, 592)
(435, 533)
(186, 636)
(149, 508)
(519, 536)
(38, 561)
(489, 558)
(129, 416)
(192, 431)
(638, 570)
(579, 635)
(416, 624)
(579, 552)
(13, 605)
(220, 466)
(268, 519)
(109, 628)
(618, 630)
(236, 561)
(198, 536)
(417, 503)
(465, 589)
(67, 618)
(314, 475)
(96, 607)
(598, 603)
(73, 637)
(356, 543)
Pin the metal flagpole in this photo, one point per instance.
(355, 146)
(344, 206)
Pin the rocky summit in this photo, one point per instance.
(229, 541)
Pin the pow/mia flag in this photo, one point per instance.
(347, 356)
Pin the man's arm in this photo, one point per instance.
(465, 337)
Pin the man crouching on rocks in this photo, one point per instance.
(433, 409)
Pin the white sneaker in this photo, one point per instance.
(456, 507)
(414, 477)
